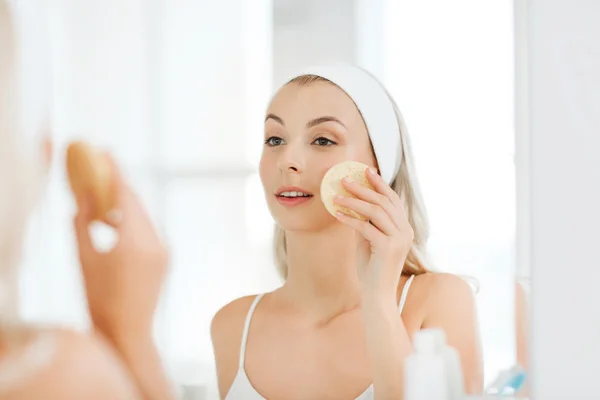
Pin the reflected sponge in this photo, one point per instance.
(331, 185)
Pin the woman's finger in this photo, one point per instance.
(81, 224)
(375, 198)
(366, 229)
(377, 216)
(382, 187)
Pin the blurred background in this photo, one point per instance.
(177, 91)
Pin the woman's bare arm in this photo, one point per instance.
(388, 345)
(451, 307)
(142, 359)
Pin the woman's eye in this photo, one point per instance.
(323, 142)
(274, 141)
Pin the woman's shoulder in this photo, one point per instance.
(230, 319)
(437, 289)
(443, 280)
(227, 330)
(65, 364)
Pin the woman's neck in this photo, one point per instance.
(322, 274)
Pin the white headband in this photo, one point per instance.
(376, 108)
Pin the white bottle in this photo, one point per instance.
(454, 374)
(425, 375)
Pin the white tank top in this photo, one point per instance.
(242, 389)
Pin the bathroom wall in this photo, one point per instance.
(560, 77)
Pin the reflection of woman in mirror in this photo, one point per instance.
(355, 292)
(118, 359)
(522, 329)
(522, 324)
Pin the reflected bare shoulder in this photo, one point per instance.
(226, 329)
(443, 286)
(451, 306)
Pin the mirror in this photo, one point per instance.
(184, 113)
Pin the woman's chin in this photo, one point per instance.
(306, 224)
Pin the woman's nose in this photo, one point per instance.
(292, 159)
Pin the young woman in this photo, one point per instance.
(118, 359)
(355, 292)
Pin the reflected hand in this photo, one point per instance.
(122, 285)
(387, 235)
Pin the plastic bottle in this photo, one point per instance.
(454, 374)
(508, 382)
(425, 376)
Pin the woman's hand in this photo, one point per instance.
(387, 239)
(122, 285)
(387, 236)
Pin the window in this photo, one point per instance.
(211, 98)
(182, 113)
(449, 66)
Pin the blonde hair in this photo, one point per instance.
(20, 174)
(405, 184)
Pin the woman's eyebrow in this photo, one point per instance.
(309, 124)
(275, 118)
(322, 120)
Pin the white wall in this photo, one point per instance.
(562, 80)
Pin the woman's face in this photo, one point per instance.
(308, 129)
